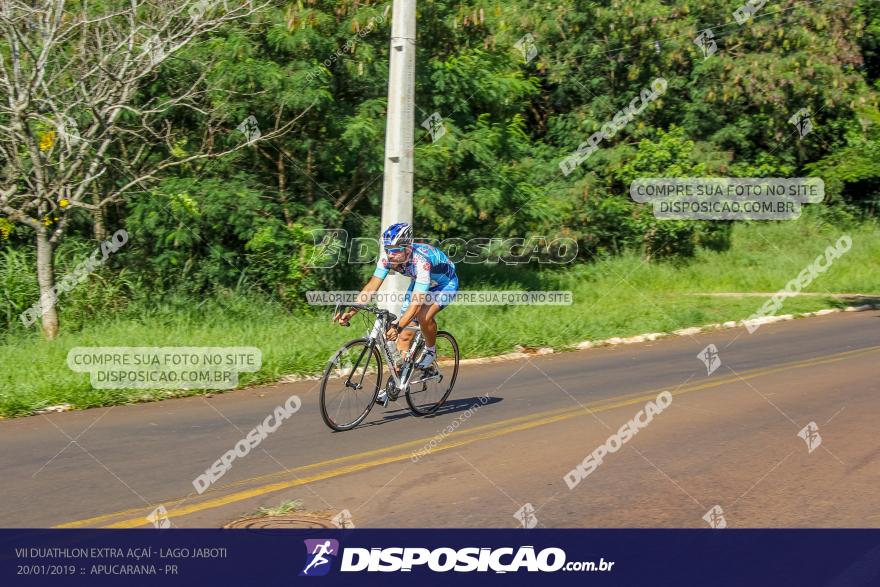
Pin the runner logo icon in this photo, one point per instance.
(320, 555)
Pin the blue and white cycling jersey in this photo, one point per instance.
(428, 266)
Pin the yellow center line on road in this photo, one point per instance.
(454, 440)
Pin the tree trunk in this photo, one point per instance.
(282, 188)
(46, 279)
(100, 229)
(310, 186)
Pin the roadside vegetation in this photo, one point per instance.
(220, 222)
(620, 295)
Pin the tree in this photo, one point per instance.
(72, 110)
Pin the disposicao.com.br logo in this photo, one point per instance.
(440, 560)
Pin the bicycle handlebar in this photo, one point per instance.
(372, 309)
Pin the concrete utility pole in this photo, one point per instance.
(398, 188)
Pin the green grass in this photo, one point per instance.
(621, 296)
(284, 508)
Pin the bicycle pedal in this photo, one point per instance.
(389, 397)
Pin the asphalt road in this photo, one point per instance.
(502, 444)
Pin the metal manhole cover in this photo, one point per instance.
(295, 521)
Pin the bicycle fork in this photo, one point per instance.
(368, 351)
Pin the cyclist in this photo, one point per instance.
(430, 270)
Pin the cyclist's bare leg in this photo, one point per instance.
(426, 321)
(404, 339)
(428, 324)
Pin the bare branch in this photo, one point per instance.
(71, 78)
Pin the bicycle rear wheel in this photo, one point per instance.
(350, 385)
(431, 387)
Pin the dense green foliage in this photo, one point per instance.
(242, 223)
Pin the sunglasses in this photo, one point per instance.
(394, 250)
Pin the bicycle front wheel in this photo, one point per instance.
(430, 387)
(350, 385)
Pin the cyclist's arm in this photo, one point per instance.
(366, 294)
(362, 298)
(372, 285)
(383, 266)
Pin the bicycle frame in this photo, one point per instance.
(357, 354)
(377, 338)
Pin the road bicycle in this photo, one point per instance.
(353, 377)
